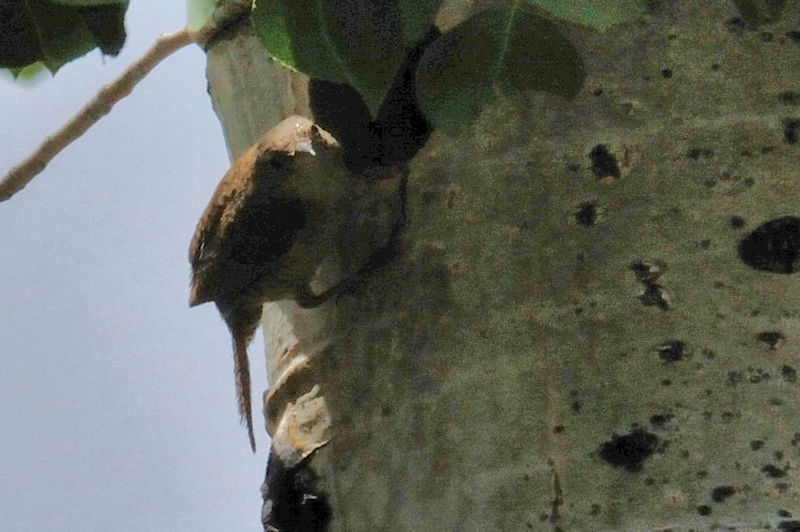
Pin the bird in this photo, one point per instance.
(266, 229)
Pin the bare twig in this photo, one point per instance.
(22, 174)
(100, 105)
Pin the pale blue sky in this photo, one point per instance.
(117, 401)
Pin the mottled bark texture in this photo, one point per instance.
(578, 334)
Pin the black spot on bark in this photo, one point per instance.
(736, 25)
(704, 509)
(734, 377)
(603, 163)
(755, 445)
(659, 420)
(587, 214)
(791, 131)
(651, 296)
(671, 351)
(784, 513)
(794, 35)
(292, 499)
(429, 197)
(653, 293)
(771, 338)
(773, 472)
(773, 246)
(789, 526)
(788, 373)
(598, 92)
(789, 98)
(629, 451)
(666, 73)
(737, 222)
(698, 153)
(754, 14)
(720, 493)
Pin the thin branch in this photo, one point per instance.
(99, 106)
(22, 174)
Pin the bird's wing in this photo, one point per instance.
(237, 187)
(216, 221)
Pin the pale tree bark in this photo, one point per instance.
(571, 337)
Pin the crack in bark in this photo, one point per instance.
(558, 497)
(549, 373)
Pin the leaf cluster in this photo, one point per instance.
(510, 47)
(53, 32)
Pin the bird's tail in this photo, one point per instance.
(242, 323)
(241, 370)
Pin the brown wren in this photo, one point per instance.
(290, 199)
(268, 226)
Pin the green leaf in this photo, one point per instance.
(61, 32)
(508, 50)
(54, 33)
(599, 14)
(358, 42)
(198, 12)
(27, 75)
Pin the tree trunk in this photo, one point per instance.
(587, 326)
